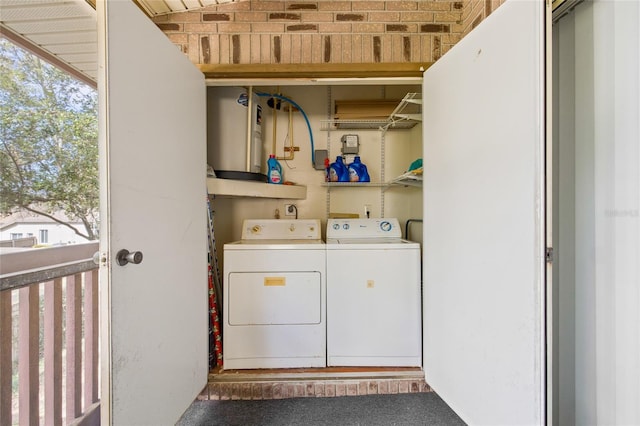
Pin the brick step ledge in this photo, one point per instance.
(316, 382)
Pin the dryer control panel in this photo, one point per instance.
(363, 228)
(281, 229)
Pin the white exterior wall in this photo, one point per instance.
(57, 233)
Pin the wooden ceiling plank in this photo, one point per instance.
(192, 4)
(176, 5)
(155, 7)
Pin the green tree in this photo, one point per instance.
(48, 140)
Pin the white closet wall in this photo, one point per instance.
(597, 64)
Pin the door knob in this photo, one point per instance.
(124, 256)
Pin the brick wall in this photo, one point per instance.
(298, 32)
(474, 11)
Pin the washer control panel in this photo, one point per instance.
(281, 229)
(363, 228)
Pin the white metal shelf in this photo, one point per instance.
(355, 184)
(329, 125)
(407, 114)
(409, 110)
(411, 178)
(406, 182)
(400, 181)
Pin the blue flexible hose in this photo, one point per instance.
(306, 119)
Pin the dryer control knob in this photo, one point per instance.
(255, 229)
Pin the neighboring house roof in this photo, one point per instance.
(25, 217)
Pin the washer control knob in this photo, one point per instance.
(385, 226)
(336, 226)
(255, 229)
(345, 226)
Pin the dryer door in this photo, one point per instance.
(274, 298)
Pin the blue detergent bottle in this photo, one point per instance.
(274, 174)
(338, 171)
(358, 171)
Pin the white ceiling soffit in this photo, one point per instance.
(163, 7)
(64, 32)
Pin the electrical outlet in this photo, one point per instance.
(367, 210)
(290, 209)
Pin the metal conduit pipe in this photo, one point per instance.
(304, 115)
(249, 124)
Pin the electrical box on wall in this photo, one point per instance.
(320, 156)
(350, 144)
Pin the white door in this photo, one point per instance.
(484, 234)
(153, 171)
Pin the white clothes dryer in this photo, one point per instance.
(274, 294)
(374, 307)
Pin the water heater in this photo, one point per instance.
(234, 133)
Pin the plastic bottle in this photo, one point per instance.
(327, 177)
(358, 171)
(274, 174)
(338, 171)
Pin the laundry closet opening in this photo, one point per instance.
(298, 312)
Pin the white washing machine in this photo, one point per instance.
(274, 295)
(374, 308)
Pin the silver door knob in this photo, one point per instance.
(124, 256)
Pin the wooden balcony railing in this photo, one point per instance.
(49, 336)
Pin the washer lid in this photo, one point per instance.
(362, 245)
(372, 241)
(276, 245)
